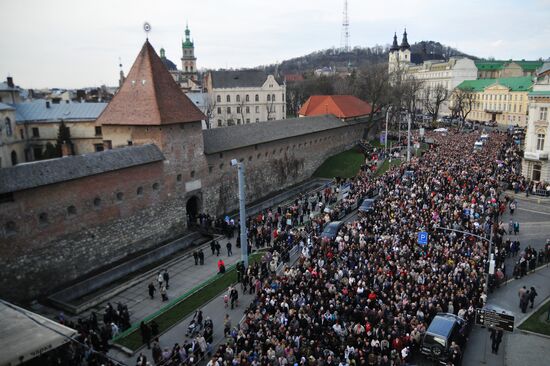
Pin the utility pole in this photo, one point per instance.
(344, 42)
(409, 138)
(386, 136)
(242, 211)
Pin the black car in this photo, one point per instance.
(444, 330)
(367, 205)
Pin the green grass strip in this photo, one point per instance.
(345, 165)
(537, 322)
(176, 310)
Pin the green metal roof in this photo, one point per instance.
(540, 93)
(490, 65)
(523, 83)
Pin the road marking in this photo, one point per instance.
(539, 212)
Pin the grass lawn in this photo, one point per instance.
(181, 307)
(386, 165)
(537, 322)
(345, 165)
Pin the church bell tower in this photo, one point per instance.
(188, 60)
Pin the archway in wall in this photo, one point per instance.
(192, 207)
(13, 158)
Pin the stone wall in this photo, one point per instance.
(67, 230)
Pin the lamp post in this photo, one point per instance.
(386, 135)
(242, 211)
(489, 255)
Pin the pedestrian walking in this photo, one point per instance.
(234, 296)
(513, 206)
(221, 266)
(213, 246)
(226, 325)
(163, 294)
(516, 228)
(510, 226)
(160, 279)
(152, 290)
(496, 338)
(196, 257)
(229, 249)
(218, 247)
(532, 294)
(145, 331)
(201, 257)
(524, 301)
(166, 278)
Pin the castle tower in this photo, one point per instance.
(188, 60)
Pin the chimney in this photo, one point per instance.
(10, 81)
(47, 104)
(66, 149)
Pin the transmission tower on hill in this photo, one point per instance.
(344, 41)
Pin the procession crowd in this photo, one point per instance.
(367, 297)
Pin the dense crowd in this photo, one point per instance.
(367, 297)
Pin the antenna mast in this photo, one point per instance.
(344, 41)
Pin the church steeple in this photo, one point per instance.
(404, 43)
(394, 46)
(188, 60)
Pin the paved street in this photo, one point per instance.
(518, 348)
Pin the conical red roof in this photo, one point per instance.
(149, 96)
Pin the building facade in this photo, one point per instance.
(243, 97)
(535, 164)
(504, 101)
(492, 69)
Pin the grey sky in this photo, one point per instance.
(76, 43)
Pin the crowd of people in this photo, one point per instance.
(366, 297)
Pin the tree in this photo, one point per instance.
(373, 85)
(50, 152)
(63, 137)
(433, 98)
(462, 102)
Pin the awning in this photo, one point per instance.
(25, 335)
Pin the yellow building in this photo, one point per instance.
(502, 100)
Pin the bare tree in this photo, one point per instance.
(373, 85)
(434, 98)
(462, 103)
(209, 108)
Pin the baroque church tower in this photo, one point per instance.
(188, 60)
(400, 55)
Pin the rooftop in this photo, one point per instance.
(490, 65)
(238, 79)
(6, 107)
(235, 137)
(38, 111)
(44, 172)
(149, 96)
(517, 84)
(342, 106)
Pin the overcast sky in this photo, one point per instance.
(77, 43)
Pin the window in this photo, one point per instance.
(257, 109)
(272, 97)
(228, 98)
(219, 110)
(540, 141)
(119, 196)
(238, 109)
(283, 97)
(178, 178)
(192, 174)
(155, 186)
(257, 120)
(228, 110)
(238, 98)
(269, 98)
(210, 168)
(257, 98)
(248, 120)
(43, 218)
(71, 210)
(98, 147)
(219, 98)
(543, 113)
(247, 110)
(98, 130)
(22, 134)
(536, 172)
(97, 202)
(238, 121)
(247, 98)
(9, 131)
(139, 191)
(219, 123)
(11, 229)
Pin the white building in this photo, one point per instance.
(535, 158)
(432, 73)
(247, 96)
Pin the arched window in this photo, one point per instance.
(228, 98)
(247, 98)
(257, 98)
(219, 98)
(273, 97)
(269, 98)
(238, 98)
(9, 130)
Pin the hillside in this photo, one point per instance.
(360, 57)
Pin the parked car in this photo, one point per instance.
(446, 331)
(331, 230)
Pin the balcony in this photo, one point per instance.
(537, 155)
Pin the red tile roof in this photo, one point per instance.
(342, 106)
(149, 96)
(294, 77)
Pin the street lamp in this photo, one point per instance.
(489, 255)
(242, 211)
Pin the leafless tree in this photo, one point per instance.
(373, 85)
(434, 98)
(210, 105)
(462, 103)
